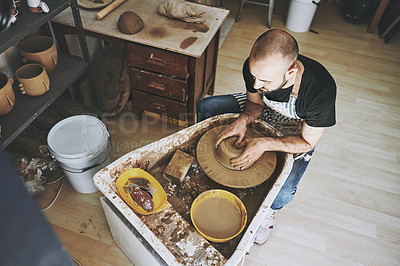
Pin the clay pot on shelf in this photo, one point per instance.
(7, 96)
(33, 79)
(39, 49)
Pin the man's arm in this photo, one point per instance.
(252, 110)
(305, 142)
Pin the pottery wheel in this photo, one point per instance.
(215, 163)
(93, 4)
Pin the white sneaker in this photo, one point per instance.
(265, 230)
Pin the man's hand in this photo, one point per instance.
(237, 128)
(255, 147)
(252, 110)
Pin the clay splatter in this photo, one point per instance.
(197, 27)
(158, 32)
(83, 227)
(187, 42)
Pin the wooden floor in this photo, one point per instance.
(347, 208)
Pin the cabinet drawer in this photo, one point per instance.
(158, 84)
(158, 60)
(158, 105)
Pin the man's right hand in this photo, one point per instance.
(237, 128)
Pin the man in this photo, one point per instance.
(293, 93)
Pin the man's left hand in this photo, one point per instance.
(255, 147)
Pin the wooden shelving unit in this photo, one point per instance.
(69, 68)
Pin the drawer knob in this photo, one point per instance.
(158, 107)
(156, 61)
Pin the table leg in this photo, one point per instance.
(378, 15)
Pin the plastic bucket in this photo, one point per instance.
(301, 14)
(80, 144)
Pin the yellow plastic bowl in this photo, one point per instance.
(159, 198)
(221, 194)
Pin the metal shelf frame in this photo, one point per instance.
(69, 69)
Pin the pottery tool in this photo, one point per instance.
(105, 11)
(177, 168)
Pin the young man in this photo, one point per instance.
(293, 93)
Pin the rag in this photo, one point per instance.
(179, 10)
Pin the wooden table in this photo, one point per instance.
(168, 78)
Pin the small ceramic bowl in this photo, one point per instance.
(125, 179)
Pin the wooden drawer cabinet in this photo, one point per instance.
(158, 84)
(170, 84)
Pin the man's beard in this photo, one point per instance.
(283, 84)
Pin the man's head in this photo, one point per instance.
(272, 59)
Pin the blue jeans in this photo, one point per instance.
(222, 104)
(217, 105)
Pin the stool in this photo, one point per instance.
(270, 9)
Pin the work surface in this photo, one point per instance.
(159, 31)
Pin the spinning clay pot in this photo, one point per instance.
(216, 162)
(227, 151)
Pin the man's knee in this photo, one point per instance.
(216, 105)
(204, 109)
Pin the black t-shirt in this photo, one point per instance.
(317, 93)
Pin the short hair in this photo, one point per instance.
(275, 41)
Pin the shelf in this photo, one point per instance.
(28, 108)
(28, 22)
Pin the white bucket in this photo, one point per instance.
(301, 14)
(80, 144)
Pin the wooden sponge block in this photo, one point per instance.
(177, 168)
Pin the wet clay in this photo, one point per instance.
(158, 32)
(97, 1)
(187, 42)
(218, 217)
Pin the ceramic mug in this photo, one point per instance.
(37, 6)
(39, 49)
(33, 79)
(7, 96)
